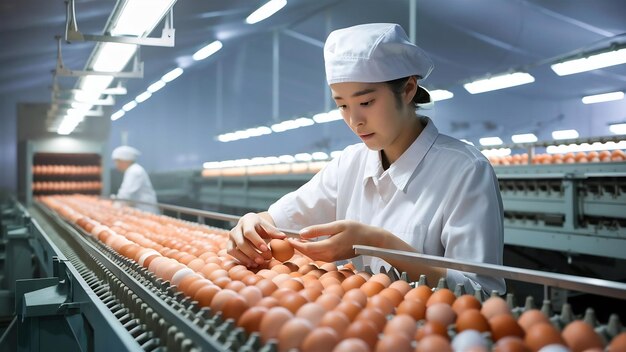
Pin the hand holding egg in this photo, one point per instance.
(246, 240)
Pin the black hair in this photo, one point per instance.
(397, 87)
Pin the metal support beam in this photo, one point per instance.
(275, 76)
(413, 21)
(303, 38)
(219, 96)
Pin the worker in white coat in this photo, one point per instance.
(136, 183)
(405, 187)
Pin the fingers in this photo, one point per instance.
(249, 230)
(242, 246)
(239, 255)
(329, 229)
(315, 250)
(269, 231)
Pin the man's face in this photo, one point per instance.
(122, 165)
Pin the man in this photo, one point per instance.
(136, 184)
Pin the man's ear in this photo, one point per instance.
(410, 89)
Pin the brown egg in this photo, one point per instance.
(580, 336)
(184, 284)
(293, 302)
(357, 296)
(394, 342)
(336, 320)
(268, 302)
(421, 293)
(273, 321)
(465, 302)
(328, 301)
(415, 308)
(471, 319)
(251, 280)
(311, 294)
(281, 250)
(352, 282)
(205, 295)
(495, 306)
(335, 290)
(250, 320)
(235, 286)
(220, 298)
(382, 278)
(352, 345)
(293, 333)
(292, 284)
(322, 339)
(505, 325)
(197, 285)
(381, 303)
(532, 317)
(393, 295)
(372, 288)
(266, 286)
(431, 328)
(350, 308)
(251, 294)
(364, 330)
(281, 269)
(510, 344)
(222, 282)
(542, 334)
(234, 308)
(401, 324)
(281, 293)
(618, 343)
(312, 312)
(402, 286)
(433, 343)
(442, 295)
(373, 316)
(329, 267)
(441, 313)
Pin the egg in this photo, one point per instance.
(433, 343)
(322, 339)
(364, 330)
(273, 321)
(401, 286)
(465, 302)
(350, 308)
(234, 308)
(431, 328)
(494, 306)
(381, 303)
(205, 295)
(352, 345)
(181, 274)
(251, 294)
(618, 343)
(393, 295)
(556, 348)
(421, 293)
(373, 316)
(532, 317)
(580, 336)
(471, 319)
(505, 325)
(328, 301)
(401, 324)
(441, 313)
(468, 339)
(281, 250)
(336, 320)
(540, 335)
(414, 308)
(443, 295)
(250, 320)
(266, 286)
(382, 278)
(268, 302)
(312, 312)
(293, 333)
(352, 282)
(510, 344)
(293, 302)
(357, 296)
(395, 343)
(372, 288)
(220, 298)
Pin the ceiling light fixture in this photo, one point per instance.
(265, 11)
(207, 51)
(618, 128)
(440, 94)
(489, 141)
(590, 62)
(601, 98)
(565, 134)
(524, 138)
(499, 82)
(172, 75)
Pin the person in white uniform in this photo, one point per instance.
(136, 183)
(406, 187)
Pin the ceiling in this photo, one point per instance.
(466, 39)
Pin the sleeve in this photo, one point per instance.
(131, 183)
(473, 227)
(313, 203)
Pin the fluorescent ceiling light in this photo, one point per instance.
(211, 165)
(156, 86)
(565, 134)
(117, 115)
(265, 11)
(95, 83)
(591, 62)
(207, 51)
(584, 147)
(304, 121)
(524, 138)
(286, 159)
(618, 128)
(488, 141)
(113, 57)
(332, 115)
(496, 152)
(129, 106)
(467, 142)
(319, 156)
(499, 82)
(172, 75)
(143, 97)
(81, 106)
(440, 94)
(600, 98)
(139, 17)
(303, 157)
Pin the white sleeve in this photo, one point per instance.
(131, 183)
(473, 227)
(313, 203)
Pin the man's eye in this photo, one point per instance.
(367, 103)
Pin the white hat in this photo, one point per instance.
(125, 153)
(372, 53)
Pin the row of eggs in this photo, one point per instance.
(569, 158)
(66, 170)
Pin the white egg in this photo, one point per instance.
(468, 339)
(554, 348)
(181, 274)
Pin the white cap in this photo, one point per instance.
(372, 53)
(125, 153)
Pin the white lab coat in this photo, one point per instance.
(441, 197)
(136, 186)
